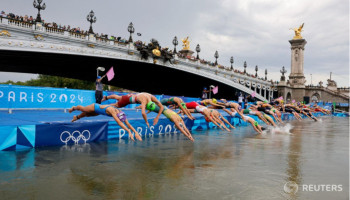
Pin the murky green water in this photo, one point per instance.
(219, 165)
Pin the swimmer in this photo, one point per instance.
(175, 101)
(97, 109)
(233, 106)
(219, 118)
(267, 108)
(141, 98)
(211, 102)
(291, 110)
(172, 116)
(194, 107)
(257, 113)
(254, 123)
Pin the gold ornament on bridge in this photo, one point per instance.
(38, 37)
(156, 52)
(297, 32)
(186, 43)
(91, 45)
(5, 33)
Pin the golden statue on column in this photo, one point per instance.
(297, 32)
(186, 43)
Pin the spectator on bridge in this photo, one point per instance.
(99, 89)
(240, 100)
(205, 93)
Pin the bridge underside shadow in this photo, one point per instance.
(136, 76)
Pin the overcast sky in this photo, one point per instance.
(256, 31)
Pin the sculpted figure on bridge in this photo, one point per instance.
(186, 43)
(297, 32)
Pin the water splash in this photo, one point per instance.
(282, 129)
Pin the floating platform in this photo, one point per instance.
(29, 129)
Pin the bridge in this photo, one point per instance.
(33, 48)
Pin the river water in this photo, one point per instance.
(218, 165)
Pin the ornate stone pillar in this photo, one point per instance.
(296, 77)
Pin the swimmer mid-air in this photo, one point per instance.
(97, 109)
(140, 98)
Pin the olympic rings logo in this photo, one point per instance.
(76, 136)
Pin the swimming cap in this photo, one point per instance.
(282, 101)
(98, 77)
(207, 119)
(265, 101)
(183, 105)
(151, 106)
(239, 107)
(214, 100)
(256, 123)
(274, 110)
(121, 115)
(205, 88)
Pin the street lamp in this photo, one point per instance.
(102, 69)
(198, 49)
(39, 7)
(256, 71)
(131, 30)
(92, 19)
(216, 55)
(231, 61)
(175, 42)
(245, 67)
(265, 74)
(283, 78)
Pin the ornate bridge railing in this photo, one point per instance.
(23, 36)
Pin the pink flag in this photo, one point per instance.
(110, 74)
(253, 94)
(215, 89)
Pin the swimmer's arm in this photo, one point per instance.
(241, 114)
(143, 111)
(217, 105)
(256, 129)
(161, 108)
(133, 129)
(138, 107)
(121, 124)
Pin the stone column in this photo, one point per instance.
(296, 77)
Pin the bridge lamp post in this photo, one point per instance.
(256, 71)
(39, 7)
(245, 67)
(175, 42)
(231, 61)
(265, 74)
(131, 30)
(216, 55)
(102, 69)
(198, 49)
(92, 19)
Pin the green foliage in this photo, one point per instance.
(56, 82)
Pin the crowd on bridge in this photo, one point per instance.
(54, 25)
(267, 113)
